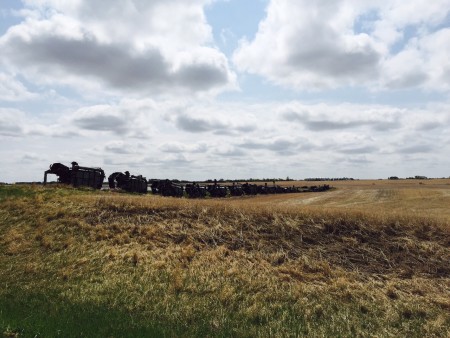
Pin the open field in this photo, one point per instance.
(370, 258)
(422, 198)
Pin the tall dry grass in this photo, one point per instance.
(230, 267)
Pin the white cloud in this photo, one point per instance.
(309, 45)
(178, 147)
(340, 117)
(11, 122)
(13, 90)
(120, 148)
(437, 57)
(156, 22)
(295, 139)
(126, 118)
(211, 118)
(132, 46)
(322, 44)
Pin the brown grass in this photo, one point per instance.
(418, 198)
(251, 265)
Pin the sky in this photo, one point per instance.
(228, 89)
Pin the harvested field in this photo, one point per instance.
(422, 198)
(356, 261)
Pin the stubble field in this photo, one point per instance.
(422, 198)
(368, 258)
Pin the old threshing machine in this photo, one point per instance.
(127, 182)
(77, 176)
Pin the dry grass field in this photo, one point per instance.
(367, 259)
(422, 198)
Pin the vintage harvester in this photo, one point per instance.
(77, 176)
(217, 190)
(127, 182)
(167, 188)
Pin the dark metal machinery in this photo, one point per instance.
(127, 182)
(93, 177)
(77, 176)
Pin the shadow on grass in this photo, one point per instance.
(37, 315)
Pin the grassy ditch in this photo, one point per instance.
(87, 264)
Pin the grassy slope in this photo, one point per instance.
(82, 263)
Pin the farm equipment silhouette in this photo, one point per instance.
(77, 176)
(93, 177)
(127, 182)
(196, 190)
(167, 188)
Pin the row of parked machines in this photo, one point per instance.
(79, 176)
(196, 190)
(93, 177)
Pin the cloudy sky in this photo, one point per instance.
(226, 89)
